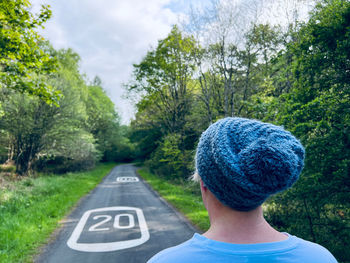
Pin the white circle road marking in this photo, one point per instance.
(109, 246)
(127, 179)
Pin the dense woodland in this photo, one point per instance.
(52, 118)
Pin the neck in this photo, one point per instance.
(231, 226)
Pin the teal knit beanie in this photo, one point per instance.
(243, 161)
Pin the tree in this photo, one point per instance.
(37, 129)
(22, 54)
(164, 75)
(164, 80)
(103, 120)
(317, 110)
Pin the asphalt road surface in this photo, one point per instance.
(122, 220)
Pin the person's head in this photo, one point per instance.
(242, 162)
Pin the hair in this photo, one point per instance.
(195, 177)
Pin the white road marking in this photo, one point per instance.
(127, 179)
(110, 246)
(117, 221)
(94, 227)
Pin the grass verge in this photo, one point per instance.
(183, 195)
(31, 208)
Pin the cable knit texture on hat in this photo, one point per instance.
(244, 161)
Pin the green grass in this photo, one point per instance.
(184, 195)
(31, 208)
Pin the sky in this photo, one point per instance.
(111, 35)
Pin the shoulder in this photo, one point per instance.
(181, 253)
(314, 251)
(200, 249)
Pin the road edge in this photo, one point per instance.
(178, 213)
(42, 249)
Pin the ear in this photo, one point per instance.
(203, 187)
(204, 193)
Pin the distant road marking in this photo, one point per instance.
(127, 179)
(110, 246)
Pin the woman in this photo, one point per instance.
(240, 163)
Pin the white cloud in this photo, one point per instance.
(109, 36)
(234, 18)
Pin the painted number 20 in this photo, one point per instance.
(116, 224)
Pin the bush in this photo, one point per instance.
(308, 216)
(60, 164)
(7, 168)
(121, 152)
(169, 159)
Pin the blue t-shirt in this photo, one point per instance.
(202, 249)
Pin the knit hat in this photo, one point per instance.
(243, 161)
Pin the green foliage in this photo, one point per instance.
(163, 77)
(32, 207)
(102, 120)
(67, 124)
(317, 111)
(164, 81)
(50, 120)
(36, 128)
(72, 136)
(169, 160)
(298, 78)
(145, 137)
(183, 195)
(22, 56)
(7, 168)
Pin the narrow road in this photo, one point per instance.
(121, 220)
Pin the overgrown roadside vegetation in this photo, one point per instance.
(183, 195)
(31, 208)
